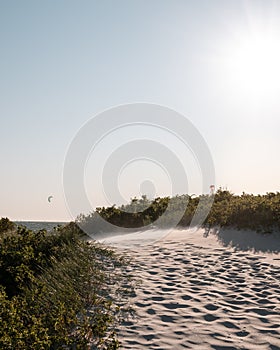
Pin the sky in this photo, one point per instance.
(64, 62)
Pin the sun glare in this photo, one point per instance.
(253, 64)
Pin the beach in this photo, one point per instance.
(202, 291)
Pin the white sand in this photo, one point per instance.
(202, 292)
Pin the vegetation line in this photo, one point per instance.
(225, 209)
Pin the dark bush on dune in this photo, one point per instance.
(6, 225)
(136, 215)
(260, 213)
(247, 211)
(57, 291)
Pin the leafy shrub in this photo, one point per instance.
(58, 291)
(6, 225)
(246, 211)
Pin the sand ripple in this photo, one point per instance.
(194, 297)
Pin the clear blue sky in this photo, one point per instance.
(62, 62)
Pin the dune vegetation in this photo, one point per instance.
(58, 291)
(247, 211)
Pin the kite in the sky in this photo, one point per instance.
(50, 198)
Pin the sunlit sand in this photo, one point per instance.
(199, 291)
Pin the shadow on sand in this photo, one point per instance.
(247, 239)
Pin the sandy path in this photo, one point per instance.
(202, 296)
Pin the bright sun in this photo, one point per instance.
(253, 64)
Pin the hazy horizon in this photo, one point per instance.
(216, 63)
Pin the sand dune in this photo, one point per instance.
(198, 294)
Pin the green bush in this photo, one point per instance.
(58, 291)
(246, 211)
